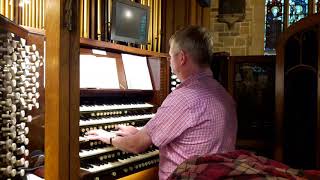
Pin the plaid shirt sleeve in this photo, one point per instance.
(170, 121)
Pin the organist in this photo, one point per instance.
(197, 118)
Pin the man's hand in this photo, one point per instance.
(99, 134)
(126, 130)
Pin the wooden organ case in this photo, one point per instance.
(106, 108)
(22, 112)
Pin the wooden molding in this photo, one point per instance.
(85, 42)
(62, 94)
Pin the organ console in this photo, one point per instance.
(19, 72)
(107, 108)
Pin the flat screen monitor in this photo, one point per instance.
(129, 22)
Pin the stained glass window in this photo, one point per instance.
(298, 9)
(273, 23)
(274, 18)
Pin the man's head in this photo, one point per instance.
(191, 50)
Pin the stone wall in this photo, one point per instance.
(243, 38)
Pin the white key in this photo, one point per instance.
(113, 107)
(87, 153)
(114, 119)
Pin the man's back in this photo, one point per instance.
(197, 118)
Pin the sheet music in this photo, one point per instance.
(137, 72)
(33, 177)
(98, 72)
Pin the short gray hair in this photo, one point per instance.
(196, 41)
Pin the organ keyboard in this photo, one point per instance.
(104, 107)
(96, 121)
(102, 161)
(91, 152)
(104, 164)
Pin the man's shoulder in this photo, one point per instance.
(176, 96)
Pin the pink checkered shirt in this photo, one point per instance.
(197, 118)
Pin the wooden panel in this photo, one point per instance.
(279, 93)
(148, 174)
(193, 10)
(167, 24)
(154, 67)
(9, 26)
(303, 25)
(181, 13)
(165, 69)
(74, 93)
(121, 74)
(56, 119)
(62, 93)
(155, 74)
(116, 47)
(286, 15)
(206, 17)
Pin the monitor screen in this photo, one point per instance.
(130, 22)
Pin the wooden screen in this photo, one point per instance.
(297, 95)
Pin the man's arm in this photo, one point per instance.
(135, 143)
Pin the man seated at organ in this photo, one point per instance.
(198, 117)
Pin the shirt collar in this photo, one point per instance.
(196, 76)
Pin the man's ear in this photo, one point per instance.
(184, 58)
